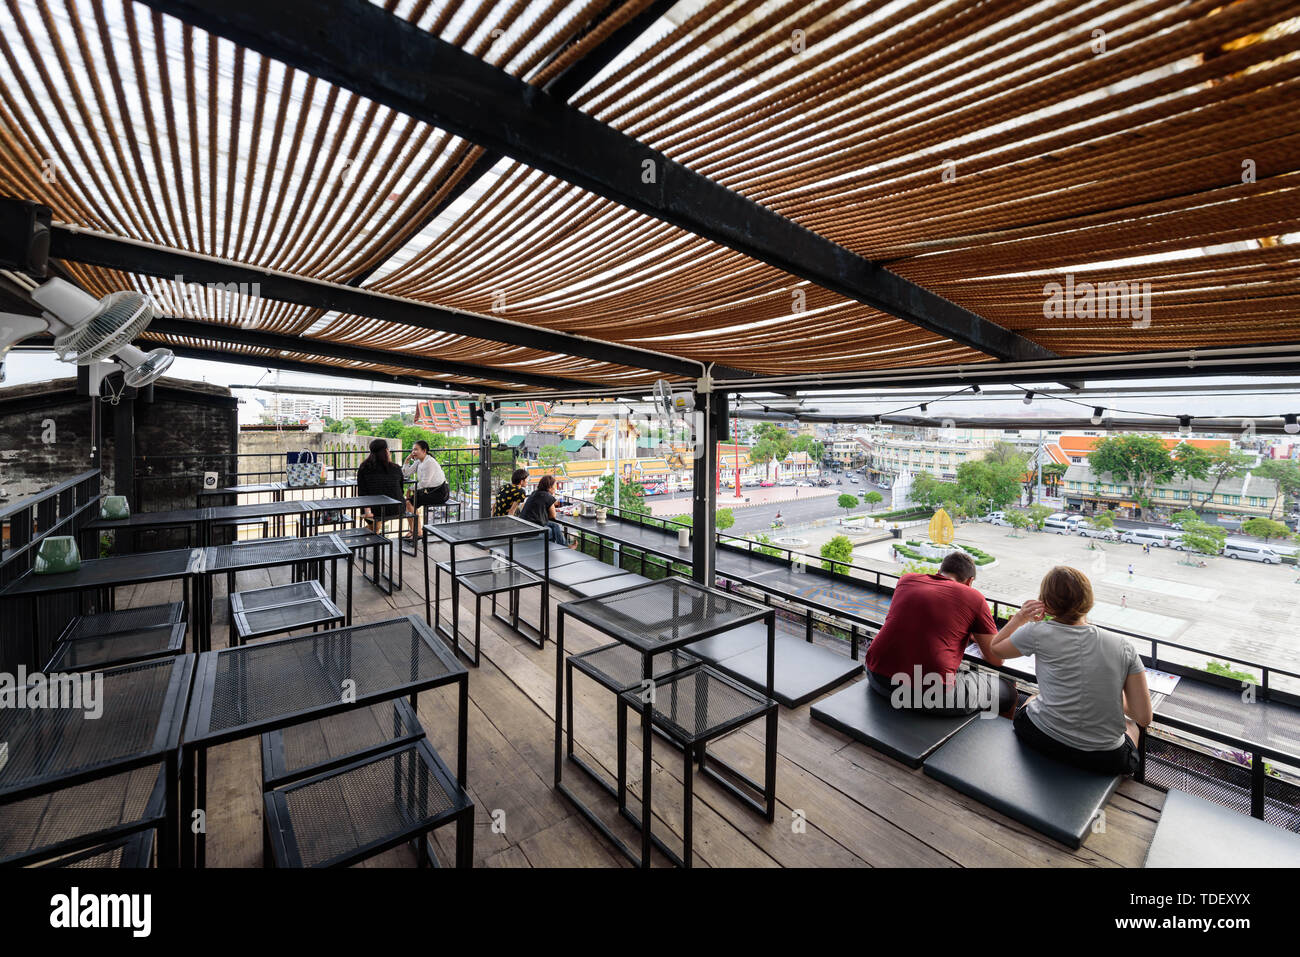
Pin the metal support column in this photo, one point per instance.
(710, 409)
(484, 465)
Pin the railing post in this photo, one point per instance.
(1257, 780)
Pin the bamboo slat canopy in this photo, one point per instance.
(979, 150)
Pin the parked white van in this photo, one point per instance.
(1145, 536)
(1061, 524)
(1252, 552)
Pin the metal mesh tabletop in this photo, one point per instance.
(501, 578)
(301, 614)
(1266, 723)
(172, 519)
(467, 566)
(115, 570)
(618, 667)
(230, 513)
(698, 704)
(313, 743)
(255, 685)
(668, 612)
(482, 529)
(255, 598)
(35, 823)
(262, 552)
(355, 538)
(354, 501)
(329, 819)
(126, 619)
(135, 645)
(139, 709)
(135, 850)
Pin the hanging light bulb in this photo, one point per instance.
(1097, 414)
(925, 407)
(1029, 397)
(1185, 424)
(976, 389)
(1291, 426)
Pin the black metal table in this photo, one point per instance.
(75, 777)
(319, 508)
(105, 574)
(652, 619)
(190, 519)
(482, 532)
(304, 553)
(255, 511)
(245, 691)
(275, 489)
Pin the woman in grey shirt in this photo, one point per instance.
(1092, 687)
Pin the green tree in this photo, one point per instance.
(631, 496)
(1286, 473)
(549, 456)
(363, 426)
(1205, 539)
(1018, 521)
(1103, 521)
(1184, 516)
(847, 502)
(840, 549)
(930, 492)
(390, 428)
(1054, 474)
(1225, 464)
(1191, 463)
(806, 443)
(1037, 515)
(1138, 460)
(995, 482)
(873, 498)
(723, 519)
(1264, 528)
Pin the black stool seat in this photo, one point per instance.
(290, 754)
(489, 581)
(132, 851)
(118, 648)
(89, 626)
(256, 598)
(867, 716)
(618, 667)
(701, 704)
(349, 814)
(282, 608)
(1194, 832)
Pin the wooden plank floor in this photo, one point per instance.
(841, 804)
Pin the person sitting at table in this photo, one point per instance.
(431, 486)
(511, 496)
(380, 475)
(915, 660)
(1092, 686)
(539, 508)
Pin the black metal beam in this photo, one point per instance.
(562, 86)
(333, 350)
(360, 47)
(127, 255)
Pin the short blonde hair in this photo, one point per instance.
(1066, 592)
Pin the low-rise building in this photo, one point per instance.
(1243, 497)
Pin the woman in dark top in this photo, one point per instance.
(380, 475)
(539, 508)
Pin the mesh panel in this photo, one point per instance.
(266, 621)
(1223, 709)
(257, 510)
(1170, 766)
(128, 619)
(465, 566)
(693, 705)
(277, 595)
(257, 682)
(618, 667)
(479, 529)
(120, 646)
(497, 579)
(315, 742)
(39, 822)
(346, 811)
(118, 570)
(50, 742)
(670, 610)
(1282, 803)
(361, 538)
(270, 552)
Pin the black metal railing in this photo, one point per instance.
(61, 510)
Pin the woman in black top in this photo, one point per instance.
(539, 508)
(380, 475)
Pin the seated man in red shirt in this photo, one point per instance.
(915, 660)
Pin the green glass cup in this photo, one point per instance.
(114, 506)
(57, 555)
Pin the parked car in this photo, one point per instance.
(766, 483)
(1061, 524)
(999, 518)
(1105, 534)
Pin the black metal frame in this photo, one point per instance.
(196, 741)
(452, 635)
(175, 645)
(648, 839)
(242, 632)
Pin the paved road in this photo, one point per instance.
(758, 517)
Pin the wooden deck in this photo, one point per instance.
(840, 803)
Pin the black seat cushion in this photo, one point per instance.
(802, 670)
(1194, 832)
(986, 760)
(867, 716)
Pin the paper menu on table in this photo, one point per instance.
(1161, 682)
(1024, 665)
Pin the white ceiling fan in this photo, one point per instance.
(88, 330)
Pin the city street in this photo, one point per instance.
(757, 507)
